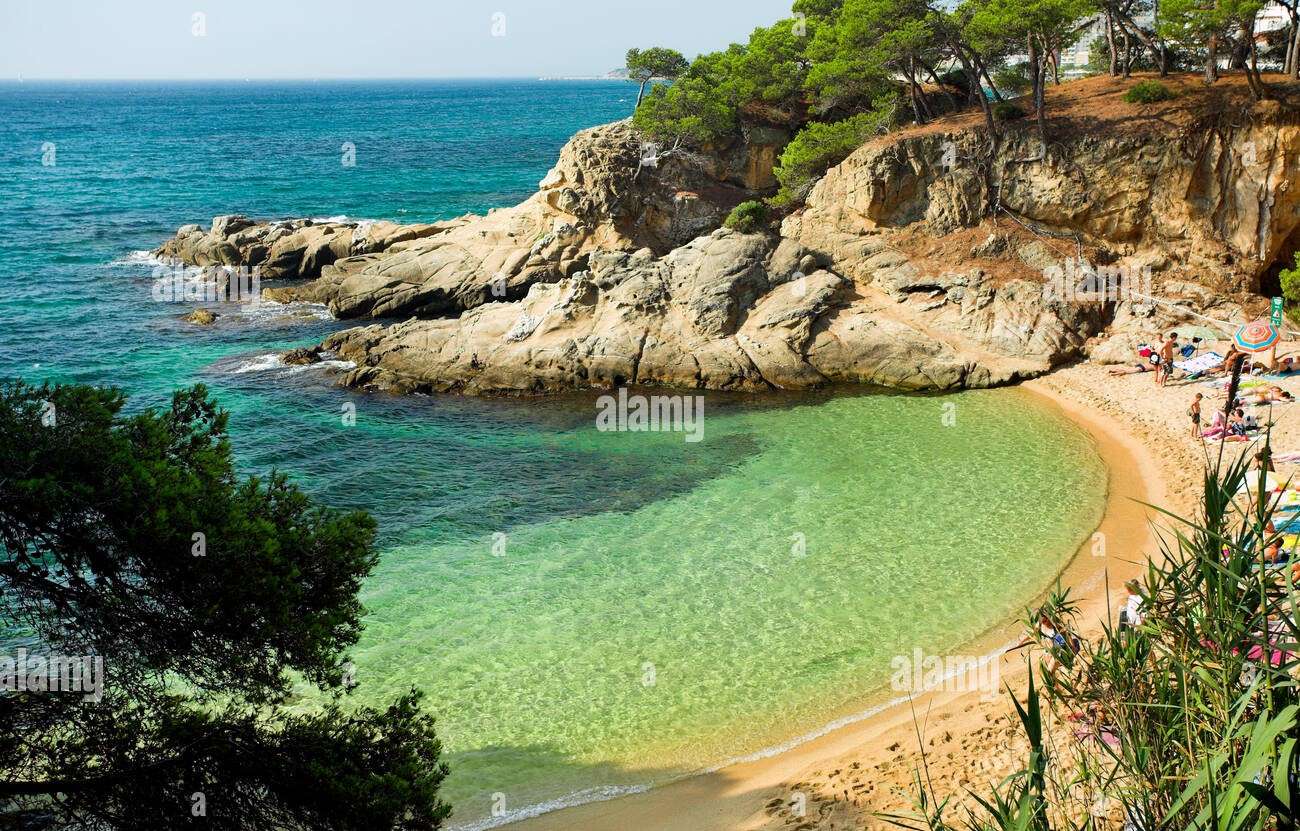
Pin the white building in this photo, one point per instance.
(1073, 60)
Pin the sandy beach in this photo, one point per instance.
(847, 777)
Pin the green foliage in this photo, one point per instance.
(870, 42)
(748, 217)
(1008, 111)
(130, 537)
(655, 62)
(771, 69)
(1013, 80)
(689, 111)
(820, 146)
(1099, 58)
(1192, 22)
(644, 66)
(1149, 92)
(1052, 20)
(1291, 281)
(823, 10)
(763, 78)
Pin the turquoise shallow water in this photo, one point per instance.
(650, 606)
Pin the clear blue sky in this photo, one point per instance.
(357, 38)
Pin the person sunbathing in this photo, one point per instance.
(1130, 369)
(1217, 427)
(1273, 554)
(1272, 395)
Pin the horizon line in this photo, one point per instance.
(310, 79)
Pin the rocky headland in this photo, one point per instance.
(931, 258)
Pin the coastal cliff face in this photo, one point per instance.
(606, 192)
(1217, 205)
(924, 261)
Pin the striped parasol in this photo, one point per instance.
(1256, 336)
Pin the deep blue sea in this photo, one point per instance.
(588, 612)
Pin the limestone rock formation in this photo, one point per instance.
(712, 314)
(608, 191)
(901, 270)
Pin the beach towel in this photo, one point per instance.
(1288, 500)
(1201, 363)
(1289, 525)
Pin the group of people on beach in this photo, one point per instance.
(1235, 422)
(1160, 357)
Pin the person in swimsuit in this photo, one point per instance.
(1133, 369)
(1236, 427)
(1195, 413)
(1216, 428)
(1166, 359)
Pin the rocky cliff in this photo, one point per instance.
(608, 191)
(929, 259)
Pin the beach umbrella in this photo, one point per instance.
(1202, 332)
(1272, 483)
(1256, 336)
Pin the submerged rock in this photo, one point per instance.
(303, 357)
(201, 317)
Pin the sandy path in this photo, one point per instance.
(841, 780)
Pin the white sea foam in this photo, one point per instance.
(266, 310)
(603, 793)
(262, 363)
(146, 258)
(274, 361)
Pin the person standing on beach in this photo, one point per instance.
(1131, 615)
(1195, 413)
(1166, 359)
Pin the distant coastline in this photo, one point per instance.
(612, 75)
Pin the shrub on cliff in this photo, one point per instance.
(1291, 281)
(820, 146)
(182, 606)
(763, 78)
(1149, 92)
(748, 217)
(1189, 717)
(687, 113)
(1008, 111)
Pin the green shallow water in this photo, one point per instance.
(622, 550)
(628, 647)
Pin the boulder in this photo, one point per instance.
(303, 357)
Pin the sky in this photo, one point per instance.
(218, 39)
